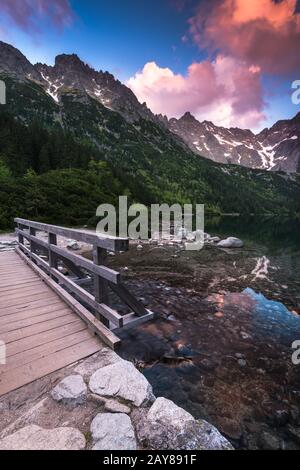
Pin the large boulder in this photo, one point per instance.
(231, 242)
(122, 380)
(168, 427)
(113, 431)
(36, 438)
(166, 411)
(70, 391)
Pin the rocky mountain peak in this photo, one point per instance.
(187, 117)
(13, 62)
(71, 61)
(277, 148)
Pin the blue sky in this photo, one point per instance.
(121, 36)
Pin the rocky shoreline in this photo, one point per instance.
(100, 403)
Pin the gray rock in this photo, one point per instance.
(214, 239)
(167, 412)
(70, 391)
(116, 407)
(242, 362)
(103, 358)
(73, 245)
(113, 431)
(269, 441)
(35, 438)
(167, 426)
(231, 242)
(190, 435)
(294, 433)
(124, 381)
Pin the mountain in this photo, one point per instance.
(276, 149)
(50, 108)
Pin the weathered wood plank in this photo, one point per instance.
(43, 338)
(45, 365)
(107, 242)
(95, 325)
(12, 302)
(25, 357)
(38, 328)
(76, 260)
(25, 313)
(129, 299)
(29, 304)
(16, 325)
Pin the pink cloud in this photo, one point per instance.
(225, 91)
(27, 13)
(264, 33)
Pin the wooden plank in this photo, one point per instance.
(43, 338)
(76, 260)
(129, 299)
(25, 357)
(103, 271)
(23, 293)
(17, 325)
(38, 328)
(21, 315)
(44, 366)
(12, 302)
(29, 304)
(7, 282)
(6, 290)
(132, 321)
(107, 242)
(16, 278)
(39, 260)
(105, 310)
(95, 325)
(100, 285)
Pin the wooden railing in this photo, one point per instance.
(47, 254)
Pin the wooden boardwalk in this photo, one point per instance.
(40, 331)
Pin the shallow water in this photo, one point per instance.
(221, 345)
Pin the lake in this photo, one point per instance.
(221, 344)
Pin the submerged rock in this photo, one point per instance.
(231, 242)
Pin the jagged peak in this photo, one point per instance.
(71, 61)
(187, 116)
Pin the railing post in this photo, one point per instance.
(32, 231)
(100, 284)
(52, 240)
(20, 237)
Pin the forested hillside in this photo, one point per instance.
(50, 174)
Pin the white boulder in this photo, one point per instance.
(36, 438)
(122, 380)
(113, 431)
(231, 242)
(70, 391)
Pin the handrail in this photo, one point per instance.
(106, 242)
(103, 277)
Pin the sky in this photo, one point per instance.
(229, 61)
